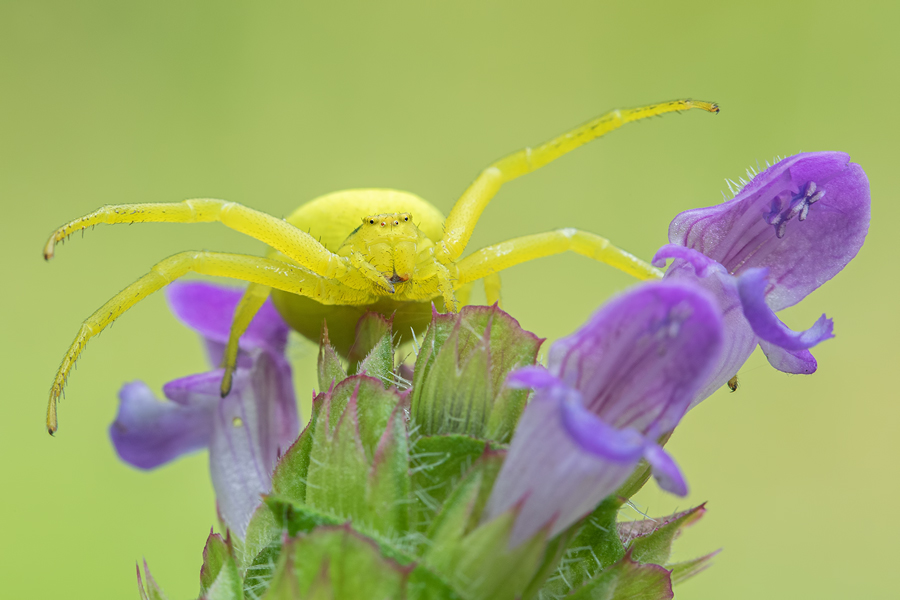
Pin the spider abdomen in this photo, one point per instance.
(332, 218)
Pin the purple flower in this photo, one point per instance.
(610, 390)
(245, 432)
(788, 231)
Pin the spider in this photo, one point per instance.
(349, 252)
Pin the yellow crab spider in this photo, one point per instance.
(349, 252)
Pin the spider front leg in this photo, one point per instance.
(255, 269)
(486, 262)
(446, 285)
(277, 233)
(365, 269)
(492, 289)
(462, 219)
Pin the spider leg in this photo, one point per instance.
(254, 297)
(446, 285)
(255, 269)
(486, 262)
(366, 269)
(463, 293)
(462, 219)
(492, 289)
(277, 233)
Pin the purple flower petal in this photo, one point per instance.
(739, 339)
(208, 309)
(665, 470)
(535, 377)
(240, 460)
(798, 362)
(185, 390)
(805, 218)
(148, 433)
(246, 431)
(252, 427)
(547, 477)
(237, 462)
(611, 388)
(598, 438)
(639, 360)
(752, 291)
(698, 260)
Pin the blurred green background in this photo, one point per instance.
(275, 104)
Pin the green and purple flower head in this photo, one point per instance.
(492, 476)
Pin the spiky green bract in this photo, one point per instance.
(627, 580)
(601, 557)
(219, 576)
(330, 369)
(461, 546)
(458, 383)
(351, 461)
(438, 463)
(373, 352)
(335, 562)
(685, 570)
(152, 591)
(373, 502)
(650, 540)
(595, 546)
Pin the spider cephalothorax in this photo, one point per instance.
(390, 243)
(349, 252)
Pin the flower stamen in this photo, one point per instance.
(799, 206)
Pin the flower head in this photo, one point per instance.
(609, 391)
(246, 431)
(788, 231)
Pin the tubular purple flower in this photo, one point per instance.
(609, 391)
(788, 231)
(245, 432)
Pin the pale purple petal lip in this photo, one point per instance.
(697, 259)
(193, 387)
(805, 218)
(148, 433)
(241, 455)
(547, 478)
(665, 470)
(799, 362)
(535, 377)
(598, 438)
(751, 287)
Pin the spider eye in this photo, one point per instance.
(396, 222)
(406, 218)
(382, 223)
(371, 221)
